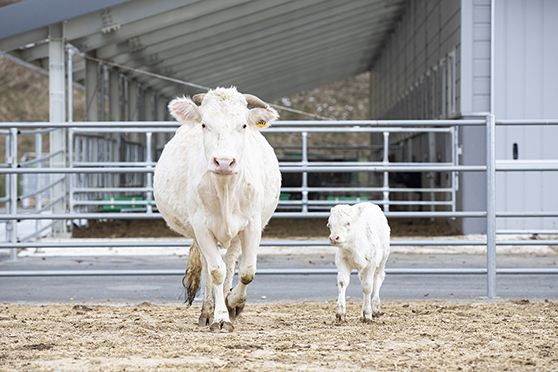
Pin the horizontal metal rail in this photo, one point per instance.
(312, 123)
(140, 216)
(287, 169)
(310, 168)
(266, 243)
(286, 271)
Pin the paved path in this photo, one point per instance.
(267, 288)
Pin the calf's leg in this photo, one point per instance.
(343, 279)
(366, 277)
(378, 280)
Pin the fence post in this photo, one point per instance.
(304, 174)
(11, 179)
(385, 162)
(491, 205)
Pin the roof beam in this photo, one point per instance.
(155, 29)
(101, 22)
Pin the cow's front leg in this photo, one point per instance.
(250, 239)
(343, 279)
(208, 306)
(216, 273)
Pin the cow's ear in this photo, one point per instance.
(261, 117)
(184, 110)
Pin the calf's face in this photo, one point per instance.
(340, 224)
(225, 121)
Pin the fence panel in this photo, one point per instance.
(107, 171)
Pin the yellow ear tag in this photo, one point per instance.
(261, 123)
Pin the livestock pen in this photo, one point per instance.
(100, 171)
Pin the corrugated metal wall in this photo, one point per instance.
(416, 75)
(526, 87)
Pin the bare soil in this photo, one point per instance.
(277, 229)
(421, 336)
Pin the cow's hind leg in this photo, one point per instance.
(236, 299)
(231, 262)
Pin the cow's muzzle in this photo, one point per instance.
(224, 165)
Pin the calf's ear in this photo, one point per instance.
(360, 207)
(184, 110)
(261, 117)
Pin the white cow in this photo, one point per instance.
(361, 232)
(218, 181)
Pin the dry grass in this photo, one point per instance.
(423, 336)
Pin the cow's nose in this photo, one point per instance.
(224, 165)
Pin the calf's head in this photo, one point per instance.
(225, 120)
(345, 222)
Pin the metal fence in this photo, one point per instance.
(102, 171)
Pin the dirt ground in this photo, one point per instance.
(421, 336)
(277, 229)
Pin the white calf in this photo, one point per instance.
(362, 234)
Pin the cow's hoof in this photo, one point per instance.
(366, 319)
(205, 319)
(222, 326)
(234, 312)
(340, 318)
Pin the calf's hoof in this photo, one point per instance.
(205, 319)
(221, 326)
(340, 318)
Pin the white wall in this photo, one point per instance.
(526, 87)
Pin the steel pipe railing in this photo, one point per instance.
(286, 271)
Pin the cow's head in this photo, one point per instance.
(225, 120)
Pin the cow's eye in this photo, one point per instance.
(348, 224)
(244, 126)
(203, 125)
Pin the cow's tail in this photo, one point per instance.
(192, 277)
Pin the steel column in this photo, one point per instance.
(57, 110)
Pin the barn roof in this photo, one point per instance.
(270, 48)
